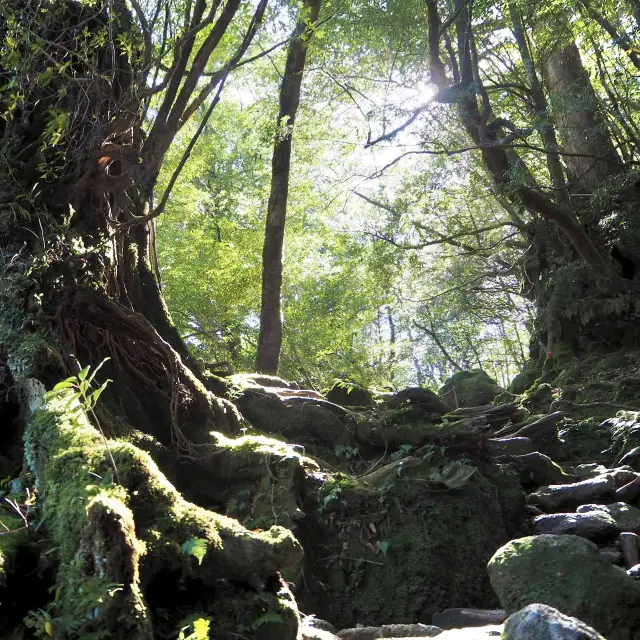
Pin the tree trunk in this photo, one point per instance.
(270, 338)
(77, 287)
(591, 157)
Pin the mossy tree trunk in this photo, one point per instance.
(80, 159)
(581, 267)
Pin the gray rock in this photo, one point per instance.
(390, 631)
(623, 475)
(632, 459)
(409, 631)
(568, 573)
(489, 632)
(611, 554)
(458, 618)
(634, 572)
(627, 517)
(539, 470)
(563, 497)
(591, 470)
(594, 525)
(359, 633)
(541, 622)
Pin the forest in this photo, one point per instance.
(318, 319)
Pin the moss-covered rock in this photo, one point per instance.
(418, 398)
(624, 430)
(347, 395)
(568, 573)
(469, 389)
(411, 547)
(524, 380)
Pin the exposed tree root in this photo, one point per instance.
(122, 536)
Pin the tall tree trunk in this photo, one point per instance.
(270, 338)
(590, 155)
(547, 131)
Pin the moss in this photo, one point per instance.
(94, 510)
(568, 573)
(14, 536)
(469, 389)
(28, 352)
(410, 549)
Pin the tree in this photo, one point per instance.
(270, 338)
(93, 96)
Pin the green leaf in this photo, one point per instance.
(84, 373)
(384, 547)
(93, 375)
(272, 616)
(98, 392)
(196, 547)
(65, 384)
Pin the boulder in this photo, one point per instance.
(623, 475)
(611, 554)
(595, 525)
(625, 431)
(567, 572)
(390, 631)
(458, 618)
(420, 398)
(469, 389)
(632, 459)
(562, 497)
(541, 622)
(350, 396)
(626, 517)
(489, 632)
(591, 470)
(629, 492)
(538, 470)
(305, 424)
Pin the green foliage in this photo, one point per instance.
(84, 605)
(197, 630)
(196, 547)
(267, 618)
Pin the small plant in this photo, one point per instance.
(267, 618)
(344, 384)
(88, 398)
(196, 630)
(196, 547)
(345, 451)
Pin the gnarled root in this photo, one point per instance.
(119, 523)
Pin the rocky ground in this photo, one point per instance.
(472, 513)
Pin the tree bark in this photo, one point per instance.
(77, 286)
(270, 338)
(583, 130)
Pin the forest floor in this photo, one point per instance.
(395, 515)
